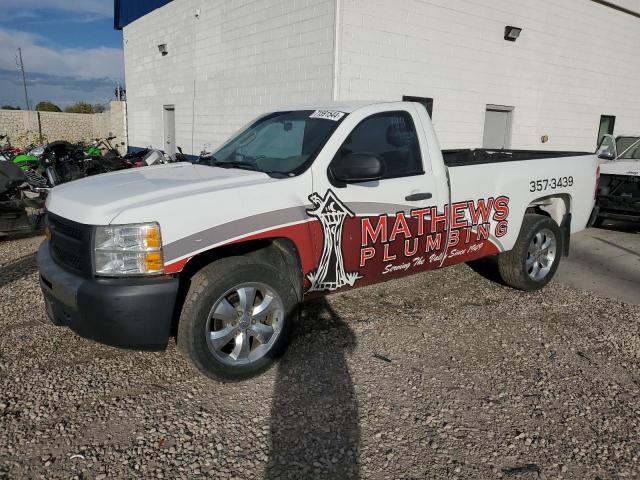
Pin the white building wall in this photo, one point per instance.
(227, 61)
(575, 60)
(230, 60)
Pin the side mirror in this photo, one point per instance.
(607, 148)
(358, 167)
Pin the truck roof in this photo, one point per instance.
(346, 107)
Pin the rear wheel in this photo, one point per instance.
(536, 255)
(236, 318)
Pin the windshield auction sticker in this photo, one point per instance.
(332, 115)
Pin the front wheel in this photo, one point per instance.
(236, 318)
(536, 255)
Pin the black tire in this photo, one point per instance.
(598, 222)
(208, 287)
(512, 265)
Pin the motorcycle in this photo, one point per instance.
(30, 159)
(103, 151)
(63, 162)
(93, 150)
(21, 200)
(8, 151)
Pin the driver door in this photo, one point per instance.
(368, 232)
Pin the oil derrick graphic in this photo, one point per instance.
(331, 273)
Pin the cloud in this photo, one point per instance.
(69, 83)
(18, 8)
(97, 62)
(61, 90)
(61, 75)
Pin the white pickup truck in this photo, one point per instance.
(302, 202)
(619, 193)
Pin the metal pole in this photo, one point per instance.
(39, 127)
(24, 80)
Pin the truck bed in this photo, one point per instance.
(478, 156)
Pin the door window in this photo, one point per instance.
(393, 137)
(628, 147)
(607, 124)
(632, 152)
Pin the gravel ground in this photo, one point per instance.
(442, 375)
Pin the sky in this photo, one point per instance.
(70, 51)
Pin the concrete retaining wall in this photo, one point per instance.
(22, 126)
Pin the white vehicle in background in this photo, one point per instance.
(619, 193)
(301, 203)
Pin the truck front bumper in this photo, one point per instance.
(131, 313)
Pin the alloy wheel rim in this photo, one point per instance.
(541, 254)
(244, 324)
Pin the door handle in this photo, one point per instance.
(416, 197)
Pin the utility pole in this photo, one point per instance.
(24, 80)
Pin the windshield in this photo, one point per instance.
(628, 148)
(281, 143)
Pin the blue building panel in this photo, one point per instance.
(128, 11)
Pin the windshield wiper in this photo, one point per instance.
(246, 166)
(239, 165)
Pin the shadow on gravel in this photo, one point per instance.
(7, 237)
(314, 430)
(17, 269)
(487, 268)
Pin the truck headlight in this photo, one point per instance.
(128, 250)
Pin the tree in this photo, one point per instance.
(9, 107)
(99, 108)
(85, 107)
(79, 107)
(46, 106)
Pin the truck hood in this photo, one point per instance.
(621, 167)
(98, 200)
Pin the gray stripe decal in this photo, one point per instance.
(361, 208)
(496, 242)
(236, 228)
(263, 221)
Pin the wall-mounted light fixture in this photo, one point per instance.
(511, 34)
(162, 48)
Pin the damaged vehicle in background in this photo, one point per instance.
(618, 197)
